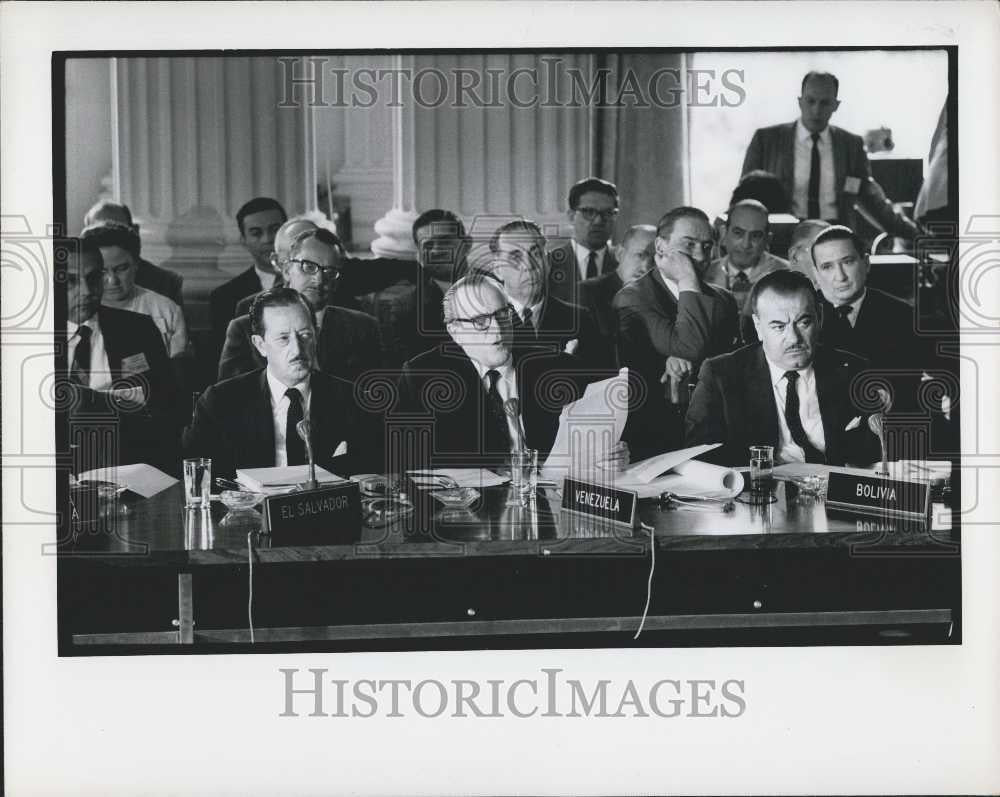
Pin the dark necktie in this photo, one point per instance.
(592, 265)
(740, 286)
(795, 422)
(813, 197)
(294, 446)
(526, 321)
(497, 435)
(844, 313)
(80, 369)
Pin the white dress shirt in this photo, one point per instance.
(279, 413)
(536, 312)
(100, 368)
(583, 255)
(166, 314)
(812, 421)
(803, 164)
(266, 278)
(672, 285)
(507, 388)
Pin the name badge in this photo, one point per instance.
(134, 364)
(600, 501)
(328, 516)
(875, 495)
(852, 185)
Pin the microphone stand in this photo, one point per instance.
(877, 425)
(303, 429)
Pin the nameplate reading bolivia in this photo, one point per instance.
(599, 501)
(330, 515)
(878, 495)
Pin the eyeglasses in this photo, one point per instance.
(309, 268)
(482, 322)
(592, 213)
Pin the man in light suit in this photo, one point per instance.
(787, 391)
(824, 168)
(541, 319)
(593, 208)
(258, 221)
(348, 341)
(251, 420)
(669, 320)
(461, 387)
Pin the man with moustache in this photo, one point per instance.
(786, 391)
(251, 420)
(823, 168)
(669, 320)
(593, 208)
(541, 319)
(462, 386)
(348, 342)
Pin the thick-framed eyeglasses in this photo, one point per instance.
(482, 322)
(592, 213)
(309, 268)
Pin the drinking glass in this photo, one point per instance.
(523, 475)
(761, 472)
(197, 483)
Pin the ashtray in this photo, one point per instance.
(458, 498)
(240, 500)
(811, 485)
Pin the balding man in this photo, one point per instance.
(746, 236)
(463, 386)
(800, 247)
(824, 168)
(159, 280)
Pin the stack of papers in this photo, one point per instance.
(280, 479)
(145, 480)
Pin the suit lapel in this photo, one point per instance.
(260, 419)
(325, 416)
(762, 408)
(664, 297)
(112, 337)
(839, 150)
(787, 160)
(829, 378)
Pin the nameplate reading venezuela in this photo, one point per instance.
(600, 501)
(330, 515)
(877, 495)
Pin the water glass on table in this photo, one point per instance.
(761, 472)
(197, 482)
(523, 475)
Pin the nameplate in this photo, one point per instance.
(330, 515)
(877, 495)
(608, 504)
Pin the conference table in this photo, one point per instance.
(152, 576)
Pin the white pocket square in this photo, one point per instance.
(853, 424)
(572, 346)
(341, 449)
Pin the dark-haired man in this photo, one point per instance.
(159, 280)
(348, 341)
(592, 210)
(259, 221)
(786, 391)
(669, 320)
(119, 245)
(824, 168)
(251, 420)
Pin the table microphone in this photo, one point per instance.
(876, 422)
(512, 408)
(304, 430)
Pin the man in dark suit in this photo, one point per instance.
(669, 320)
(824, 168)
(541, 319)
(348, 341)
(258, 221)
(159, 280)
(117, 367)
(593, 208)
(786, 391)
(460, 388)
(635, 258)
(251, 420)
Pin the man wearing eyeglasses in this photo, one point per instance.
(669, 320)
(462, 387)
(540, 318)
(116, 364)
(593, 208)
(119, 245)
(348, 341)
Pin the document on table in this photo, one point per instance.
(145, 480)
(463, 477)
(280, 479)
(589, 428)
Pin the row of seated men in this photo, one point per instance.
(671, 322)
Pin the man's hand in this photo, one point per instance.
(676, 265)
(618, 459)
(677, 369)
